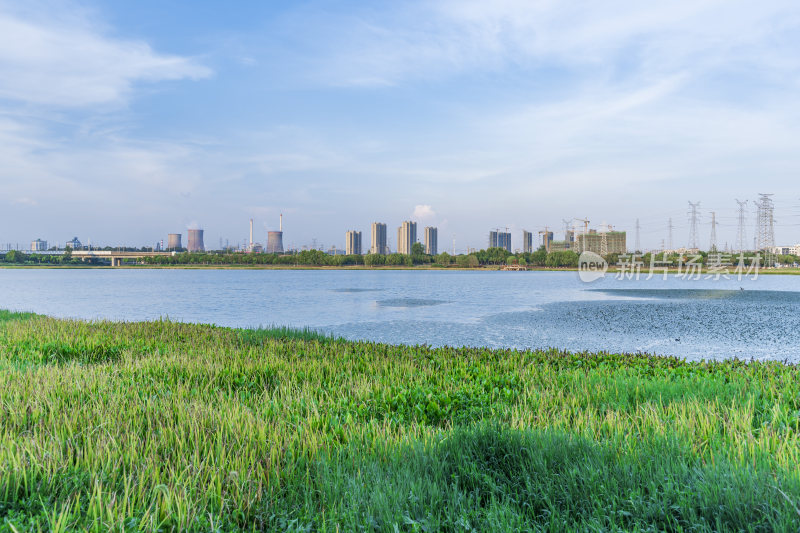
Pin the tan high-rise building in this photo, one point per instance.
(406, 237)
(352, 244)
(379, 245)
(527, 242)
(431, 240)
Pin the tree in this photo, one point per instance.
(467, 261)
(395, 259)
(374, 260)
(565, 258)
(417, 249)
(539, 257)
(443, 258)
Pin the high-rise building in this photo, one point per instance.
(195, 239)
(500, 239)
(527, 242)
(547, 239)
(406, 237)
(38, 245)
(615, 242)
(353, 243)
(75, 244)
(431, 240)
(379, 239)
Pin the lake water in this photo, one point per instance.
(694, 319)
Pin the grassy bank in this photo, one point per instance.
(165, 426)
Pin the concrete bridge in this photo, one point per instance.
(116, 258)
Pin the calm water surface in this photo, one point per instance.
(692, 319)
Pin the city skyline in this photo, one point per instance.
(670, 239)
(119, 122)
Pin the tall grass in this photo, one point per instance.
(162, 426)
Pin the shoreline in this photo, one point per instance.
(488, 268)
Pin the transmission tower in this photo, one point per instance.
(566, 229)
(741, 238)
(670, 233)
(638, 247)
(585, 232)
(604, 229)
(713, 244)
(693, 224)
(765, 233)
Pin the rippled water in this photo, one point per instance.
(704, 318)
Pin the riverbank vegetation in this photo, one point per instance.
(491, 258)
(164, 426)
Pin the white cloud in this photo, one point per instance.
(437, 40)
(69, 62)
(423, 212)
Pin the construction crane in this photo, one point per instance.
(546, 234)
(585, 231)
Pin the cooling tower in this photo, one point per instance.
(174, 241)
(195, 243)
(274, 242)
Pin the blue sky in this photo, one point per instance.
(123, 121)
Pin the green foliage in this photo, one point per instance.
(539, 257)
(168, 426)
(395, 259)
(6, 316)
(444, 259)
(374, 260)
(467, 261)
(565, 258)
(493, 256)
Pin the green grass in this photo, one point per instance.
(163, 426)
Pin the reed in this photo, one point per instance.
(164, 426)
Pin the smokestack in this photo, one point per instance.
(174, 241)
(251, 235)
(195, 241)
(281, 224)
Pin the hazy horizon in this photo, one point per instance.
(120, 123)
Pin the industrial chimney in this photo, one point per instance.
(275, 239)
(195, 243)
(174, 241)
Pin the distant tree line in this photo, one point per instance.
(488, 257)
(18, 257)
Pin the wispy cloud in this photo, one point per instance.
(67, 61)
